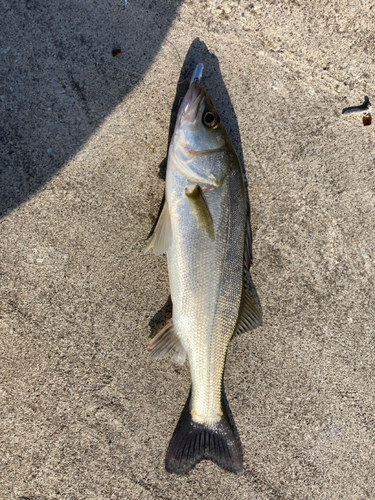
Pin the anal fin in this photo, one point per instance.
(166, 342)
(162, 237)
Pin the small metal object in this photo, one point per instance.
(197, 75)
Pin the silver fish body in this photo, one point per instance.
(206, 275)
(202, 229)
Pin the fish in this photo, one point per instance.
(204, 229)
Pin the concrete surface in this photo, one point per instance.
(84, 414)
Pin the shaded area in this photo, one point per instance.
(160, 318)
(59, 79)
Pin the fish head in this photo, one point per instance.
(200, 121)
(201, 145)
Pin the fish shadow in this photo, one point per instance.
(160, 318)
(213, 82)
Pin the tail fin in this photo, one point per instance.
(193, 442)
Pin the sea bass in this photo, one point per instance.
(204, 230)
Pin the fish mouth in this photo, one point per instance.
(190, 105)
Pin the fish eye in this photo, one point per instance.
(210, 119)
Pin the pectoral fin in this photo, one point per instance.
(162, 236)
(200, 210)
(250, 316)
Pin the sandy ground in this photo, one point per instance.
(84, 135)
